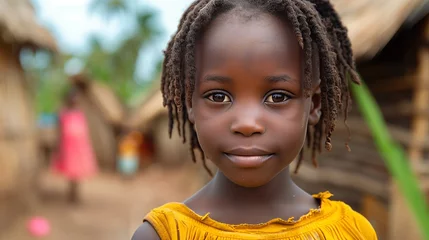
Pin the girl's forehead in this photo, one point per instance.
(235, 19)
(230, 36)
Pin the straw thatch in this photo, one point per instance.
(19, 25)
(17, 125)
(146, 112)
(372, 23)
(103, 97)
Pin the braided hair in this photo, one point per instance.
(319, 32)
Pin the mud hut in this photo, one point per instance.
(104, 112)
(390, 45)
(18, 136)
(152, 120)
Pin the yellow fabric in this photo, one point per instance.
(333, 220)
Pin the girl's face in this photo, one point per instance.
(249, 108)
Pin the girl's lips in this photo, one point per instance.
(248, 161)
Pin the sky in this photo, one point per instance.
(72, 24)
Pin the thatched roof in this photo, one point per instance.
(147, 111)
(18, 25)
(103, 97)
(372, 23)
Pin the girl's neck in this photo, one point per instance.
(232, 204)
(281, 189)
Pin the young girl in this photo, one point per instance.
(254, 80)
(75, 157)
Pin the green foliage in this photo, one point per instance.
(109, 7)
(49, 95)
(47, 78)
(117, 67)
(114, 67)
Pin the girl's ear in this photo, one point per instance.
(316, 106)
(191, 116)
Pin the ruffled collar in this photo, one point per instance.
(324, 210)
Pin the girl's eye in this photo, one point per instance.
(219, 97)
(277, 98)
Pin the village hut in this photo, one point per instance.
(152, 120)
(390, 45)
(104, 112)
(18, 136)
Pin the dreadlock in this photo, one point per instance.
(319, 31)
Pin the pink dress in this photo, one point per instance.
(75, 158)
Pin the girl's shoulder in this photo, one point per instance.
(333, 220)
(343, 215)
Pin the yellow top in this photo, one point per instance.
(333, 220)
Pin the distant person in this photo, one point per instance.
(256, 81)
(129, 153)
(74, 159)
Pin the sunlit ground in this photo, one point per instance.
(111, 207)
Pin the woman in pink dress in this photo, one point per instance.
(75, 158)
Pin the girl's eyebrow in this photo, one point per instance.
(217, 78)
(225, 79)
(279, 78)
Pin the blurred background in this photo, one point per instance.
(103, 58)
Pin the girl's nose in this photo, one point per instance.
(248, 122)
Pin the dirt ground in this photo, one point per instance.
(112, 207)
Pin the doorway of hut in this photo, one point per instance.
(135, 152)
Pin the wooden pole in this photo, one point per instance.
(420, 127)
(403, 225)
